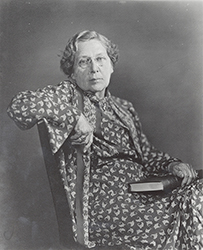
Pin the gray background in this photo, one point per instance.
(160, 71)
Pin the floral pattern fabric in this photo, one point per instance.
(120, 154)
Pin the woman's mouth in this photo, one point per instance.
(95, 79)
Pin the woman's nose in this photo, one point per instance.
(93, 66)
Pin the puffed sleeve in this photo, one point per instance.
(54, 104)
(153, 159)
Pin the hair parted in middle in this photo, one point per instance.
(68, 57)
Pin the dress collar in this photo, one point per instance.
(94, 98)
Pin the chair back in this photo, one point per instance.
(57, 190)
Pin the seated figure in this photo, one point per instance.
(101, 148)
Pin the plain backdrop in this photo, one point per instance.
(160, 72)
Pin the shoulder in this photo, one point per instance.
(124, 103)
(64, 88)
(66, 84)
(121, 101)
(127, 106)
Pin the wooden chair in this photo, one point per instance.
(58, 193)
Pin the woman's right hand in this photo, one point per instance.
(83, 133)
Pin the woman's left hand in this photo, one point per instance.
(183, 170)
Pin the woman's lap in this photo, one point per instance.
(151, 221)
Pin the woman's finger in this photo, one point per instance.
(76, 136)
(89, 142)
(85, 140)
(186, 180)
(184, 171)
(187, 173)
(194, 173)
(178, 171)
(79, 140)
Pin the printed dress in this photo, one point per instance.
(120, 154)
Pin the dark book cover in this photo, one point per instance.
(159, 183)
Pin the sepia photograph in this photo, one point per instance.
(101, 125)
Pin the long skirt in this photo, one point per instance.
(143, 220)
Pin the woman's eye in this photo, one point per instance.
(82, 62)
(99, 59)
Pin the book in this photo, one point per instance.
(158, 183)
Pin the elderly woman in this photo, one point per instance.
(85, 121)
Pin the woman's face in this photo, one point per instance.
(92, 67)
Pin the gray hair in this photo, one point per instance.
(68, 57)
